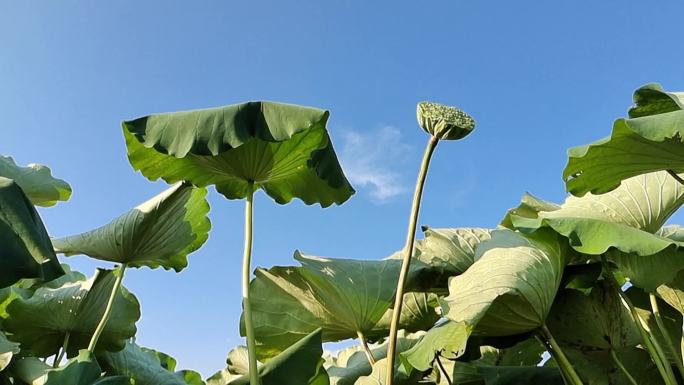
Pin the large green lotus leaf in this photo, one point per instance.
(624, 225)
(41, 321)
(341, 296)
(36, 181)
(419, 312)
(449, 251)
(283, 149)
(447, 340)
(7, 350)
(644, 202)
(651, 99)
(145, 367)
(511, 286)
(26, 251)
(673, 292)
(530, 206)
(671, 319)
(497, 375)
(352, 363)
(80, 370)
(300, 364)
(589, 326)
(29, 370)
(650, 141)
(597, 321)
(599, 368)
(159, 232)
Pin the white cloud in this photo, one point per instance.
(371, 160)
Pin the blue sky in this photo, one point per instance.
(538, 76)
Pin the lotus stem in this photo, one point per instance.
(624, 370)
(443, 370)
(62, 351)
(664, 333)
(108, 310)
(677, 177)
(366, 349)
(246, 274)
(652, 346)
(570, 375)
(406, 262)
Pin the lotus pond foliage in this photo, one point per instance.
(587, 291)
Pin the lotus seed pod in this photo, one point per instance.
(444, 122)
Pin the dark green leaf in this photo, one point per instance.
(650, 141)
(26, 250)
(511, 286)
(300, 364)
(341, 296)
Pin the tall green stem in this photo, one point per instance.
(664, 333)
(570, 375)
(652, 346)
(408, 251)
(62, 350)
(622, 368)
(246, 304)
(108, 310)
(366, 349)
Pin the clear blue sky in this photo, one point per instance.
(539, 77)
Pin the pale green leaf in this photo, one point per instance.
(160, 232)
(341, 296)
(80, 370)
(447, 340)
(36, 181)
(511, 286)
(652, 140)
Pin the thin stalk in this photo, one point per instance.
(406, 262)
(571, 377)
(664, 333)
(366, 349)
(62, 350)
(246, 304)
(619, 364)
(108, 309)
(443, 370)
(546, 345)
(674, 175)
(650, 343)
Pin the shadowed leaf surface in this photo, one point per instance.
(341, 296)
(41, 321)
(26, 250)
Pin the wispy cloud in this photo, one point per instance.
(371, 161)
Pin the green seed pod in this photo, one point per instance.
(444, 122)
